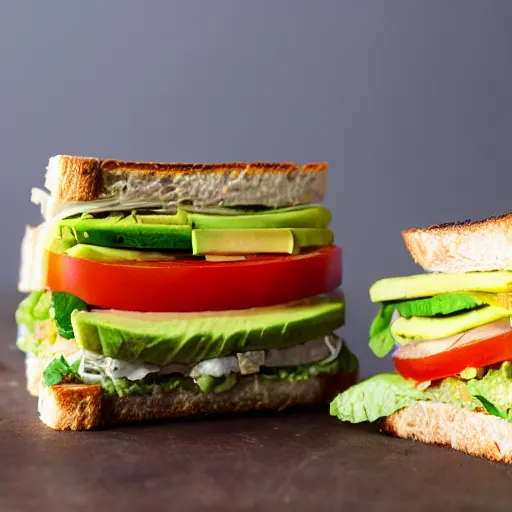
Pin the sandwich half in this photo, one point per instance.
(174, 290)
(451, 338)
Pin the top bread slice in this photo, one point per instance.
(73, 179)
(463, 246)
(472, 432)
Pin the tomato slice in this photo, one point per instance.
(186, 285)
(431, 360)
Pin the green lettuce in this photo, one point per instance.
(381, 341)
(63, 304)
(33, 309)
(384, 394)
(45, 306)
(494, 390)
(59, 371)
(439, 305)
(375, 398)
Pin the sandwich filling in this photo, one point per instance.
(450, 336)
(152, 300)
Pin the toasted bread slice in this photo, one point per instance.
(83, 407)
(80, 179)
(463, 246)
(474, 433)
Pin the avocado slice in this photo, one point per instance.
(165, 338)
(423, 328)
(179, 218)
(118, 230)
(174, 232)
(426, 285)
(99, 253)
(251, 241)
(298, 217)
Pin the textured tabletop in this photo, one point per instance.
(293, 461)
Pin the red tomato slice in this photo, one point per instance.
(186, 285)
(431, 360)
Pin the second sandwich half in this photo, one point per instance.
(167, 290)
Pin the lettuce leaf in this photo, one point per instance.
(59, 371)
(35, 307)
(63, 304)
(375, 398)
(439, 305)
(384, 394)
(494, 390)
(381, 341)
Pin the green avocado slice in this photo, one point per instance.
(295, 217)
(99, 253)
(140, 230)
(165, 338)
(421, 328)
(119, 231)
(251, 241)
(426, 285)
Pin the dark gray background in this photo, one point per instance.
(409, 101)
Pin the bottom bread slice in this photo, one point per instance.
(84, 407)
(474, 433)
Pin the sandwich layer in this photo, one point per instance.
(83, 407)
(79, 179)
(471, 432)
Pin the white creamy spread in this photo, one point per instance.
(94, 367)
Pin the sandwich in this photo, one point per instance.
(450, 334)
(166, 290)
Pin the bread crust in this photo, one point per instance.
(82, 407)
(71, 406)
(79, 179)
(463, 246)
(82, 179)
(474, 433)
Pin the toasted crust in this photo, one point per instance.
(77, 179)
(225, 167)
(463, 246)
(474, 433)
(82, 407)
(71, 406)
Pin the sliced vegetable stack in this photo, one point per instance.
(185, 300)
(450, 336)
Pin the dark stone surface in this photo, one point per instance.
(294, 461)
